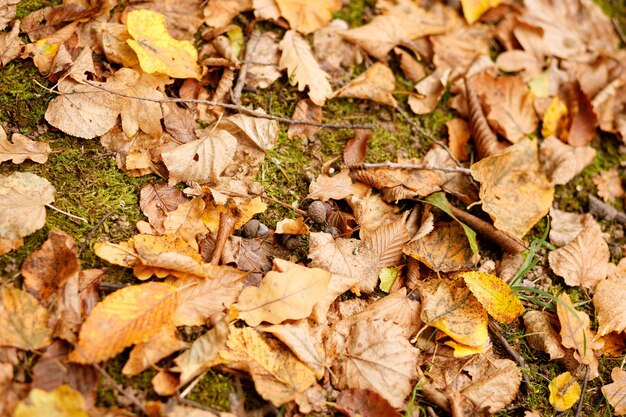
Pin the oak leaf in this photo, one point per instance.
(376, 84)
(277, 374)
(378, 357)
(23, 320)
(584, 261)
(156, 50)
(564, 391)
(513, 191)
(609, 184)
(608, 301)
(307, 17)
(10, 45)
(576, 334)
(337, 187)
(22, 148)
(494, 295)
(614, 392)
(302, 67)
(126, 317)
(283, 295)
(63, 401)
(449, 306)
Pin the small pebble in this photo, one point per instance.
(250, 229)
(317, 212)
(332, 230)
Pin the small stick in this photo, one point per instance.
(93, 230)
(517, 358)
(603, 210)
(243, 73)
(509, 243)
(236, 107)
(111, 286)
(120, 388)
(70, 215)
(273, 200)
(395, 165)
(579, 409)
(227, 226)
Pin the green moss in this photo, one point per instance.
(356, 12)
(108, 396)
(213, 390)
(25, 7)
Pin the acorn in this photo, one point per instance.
(292, 243)
(250, 229)
(317, 212)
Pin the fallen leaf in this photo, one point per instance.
(378, 357)
(495, 385)
(364, 402)
(267, 55)
(411, 68)
(63, 401)
(148, 353)
(282, 296)
(444, 249)
(126, 317)
(302, 67)
(186, 221)
(473, 9)
(337, 187)
(332, 51)
(614, 392)
(347, 257)
(564, 227)
(507, 102)
(8, 9)
(10, 45)
(307, 17)
(429, 90)
(388, 240)
(22, 148)
(610, 310)
(564, 391)
(561, 162)
(458, 138)
(576, 334)
(156, 200)
(609, 185)
(292, 227)
(156, 50)
(542, 334)
(165, 383)
(583, 120)
(376, 84)
(24, 320)
(440, 201)
(458, 48)
(513, 191)
(308, 111)
(494, 295)
(278, 376)
(555, 120)
(23, 197)
(584, 261)
(449, 306)
(219, 13)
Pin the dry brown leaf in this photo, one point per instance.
(10, 45)
(7, 245)
(494, 385)
(508, 105)
(332, 51)
(23, 320)
(126, 317)
(561, 162)
(266, 54)
(23, 197)
(113, 37)
(202, 160)
(156, 200)
(411, 68)
(283, 295)
(458, 48)
(449, 306)
(261, 132)
(376, 84)
(278, 376)
(458, 137)
(186, 221)
(583, 120)
(542, 334)
(302, 67)
(148, 353)
(444, 249)
(364, 403)
(608, 104)
(253, 255)
(22, 148)
(608, 301)
(609, 185)
(405, 21)
(307, 17)
(614, 392)
(584, 261)
(576, 334)
(429, 91)
(564, 227)
(201, 298)
(292, 227)
(203, 352)
(219, 13)
(337, 187)
(513, 191)
(372, 212)
(300, 337)
(8, 10)
(346, 257)
(308, 111)
(380, 358)
(387, 242)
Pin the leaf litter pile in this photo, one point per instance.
(414, 270)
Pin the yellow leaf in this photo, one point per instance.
(292, 227)
(24, 322)
(564, 392)
(555, 119)
(128, 316)
(388, 276)
(278, 376)
(63, 401)
(307, 16)
(157, 50)
(283, 295)
(244, 212)
(473, 9)
(494, 295)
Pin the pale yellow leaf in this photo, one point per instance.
(306, 16)
(23, 320)
(63, 401)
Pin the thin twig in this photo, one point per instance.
(70, 215)
(396, 165)
(603, 210)
(93, 230)
(120, 388)
(579, 409)
(517, 358)
(424, 133)
(243, 73)
(111, 286)
(235, 107)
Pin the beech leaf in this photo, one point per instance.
(494, 295)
